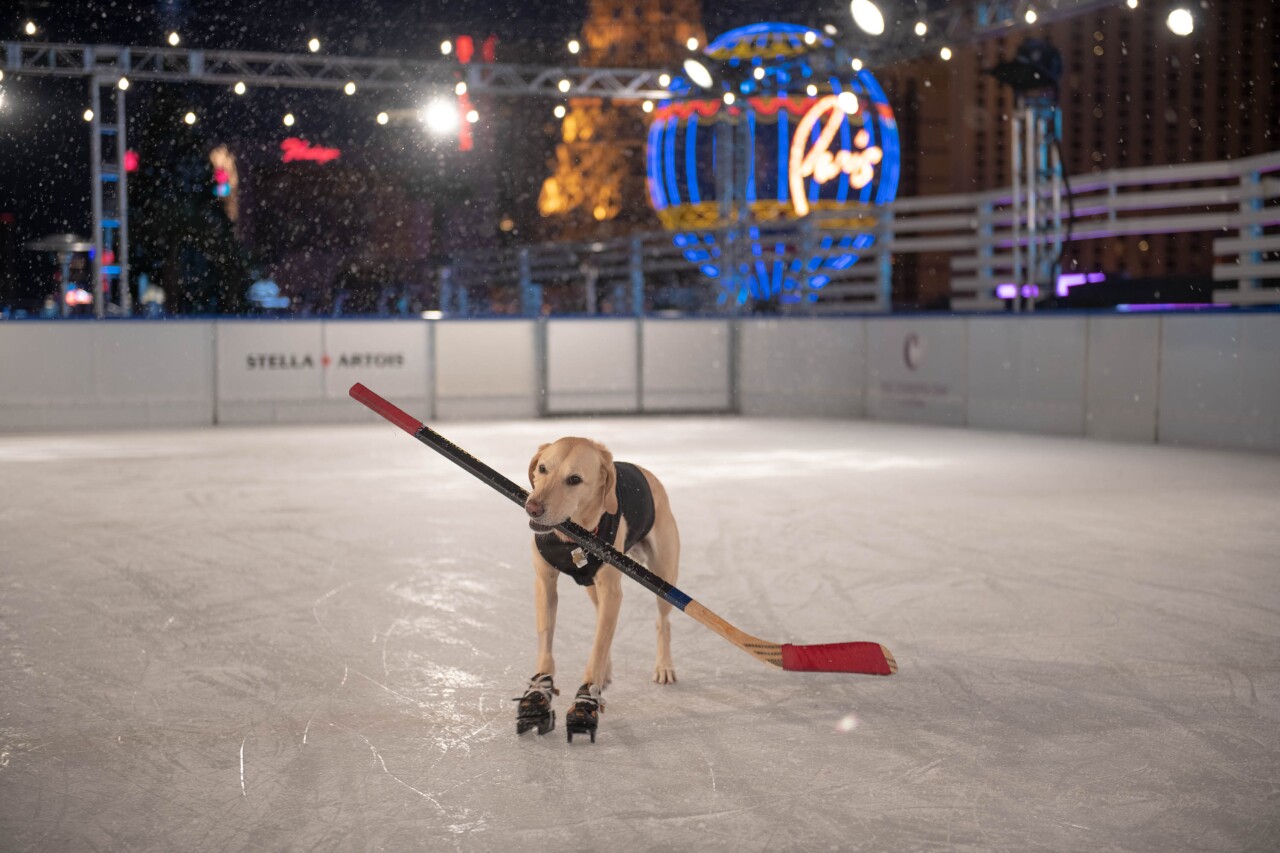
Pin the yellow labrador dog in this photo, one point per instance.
(576, 479)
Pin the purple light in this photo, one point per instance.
(1066, 281)
(1006, 291)
(1030, 290)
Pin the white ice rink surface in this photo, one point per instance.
(308, 639)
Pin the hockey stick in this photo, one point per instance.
(861, 657)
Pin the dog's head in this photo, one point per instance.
(572, 479)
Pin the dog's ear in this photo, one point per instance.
(609, 481)
(533, 463)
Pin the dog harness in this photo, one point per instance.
(635, 504)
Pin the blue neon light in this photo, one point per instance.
(673, 191)
(691, 160)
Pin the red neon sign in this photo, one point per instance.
(299, 149)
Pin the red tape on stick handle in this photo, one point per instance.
(836, 657)
(397, 416)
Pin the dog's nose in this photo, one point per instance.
(534, 508)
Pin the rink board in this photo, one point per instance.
(1203, 379)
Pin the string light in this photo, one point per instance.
(574, 46)
(692, 44)
(122, 84)
(314, 45)
(239, 88)
(945, 53)
(664, 80)
(1031, 16)
(758, 73)
(288, 119)
(174, 39)
(383, 118)
(810, 37)
(563, 85)
(88, 115)
(472, 116)
(921, 28)
(189, 118)
(350, 88)
(559, 111)
(446, 47)
(647, 106)
(729, 98)
(30, 28)
(460, 89)
(856, 64)
(811, 90)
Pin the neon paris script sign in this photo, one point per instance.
(820, 162)
(299, 149)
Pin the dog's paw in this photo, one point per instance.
(664, 674)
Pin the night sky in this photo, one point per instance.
(44, 145)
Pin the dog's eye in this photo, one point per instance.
(573, 480)
(542, 469)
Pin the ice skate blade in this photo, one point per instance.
(580, 731)
(543, 725)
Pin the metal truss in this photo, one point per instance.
(308, 71)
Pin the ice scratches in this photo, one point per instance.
(730, 467)
(243, 791)
(315, 605)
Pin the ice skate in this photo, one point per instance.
(584, 716)
(535, 705)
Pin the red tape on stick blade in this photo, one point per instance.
(865, 658)
(397, 416)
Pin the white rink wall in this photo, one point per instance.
(1208, 380)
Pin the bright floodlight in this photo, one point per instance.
(460, 89)
(758, 73)
(440, 116)
(574, 46)
(472, 116)
(189, 118)
(288, 119)
(810, 37)
(945, 53)
(122, 84)
(647, 106)
(811, 90)
(174, 39)
(867, 16)
(564, 85)
(1180, 22)
(350, 88)
(383, 118)
(1031, 16)
(313, 45)
(1132, 4)
(559, 111)
(446, 47)
(921, 28)
(30, 28)
(88, 115)
(848, 102)
(698, 73)
(664, 80)
(729, 98)
(856, 64)
(239, 88)
(692, 44)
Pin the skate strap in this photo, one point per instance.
(590, 694)
(540, 683)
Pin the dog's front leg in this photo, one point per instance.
(545, 600)
(608, 600)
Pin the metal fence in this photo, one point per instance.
(1236, 200)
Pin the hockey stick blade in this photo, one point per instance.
(858, 657)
